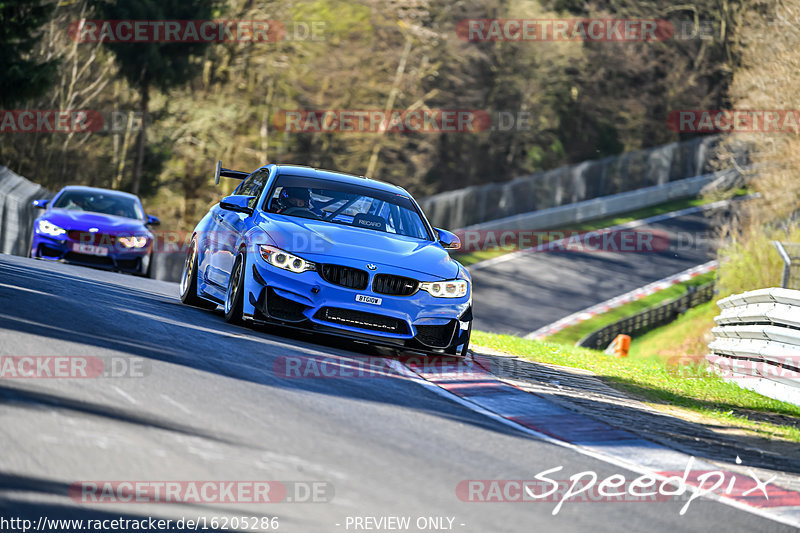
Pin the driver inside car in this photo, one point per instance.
(294, 198)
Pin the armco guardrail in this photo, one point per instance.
(649, 318)
(757, 342)
(604, 206)
(16, 211)
(565, 185)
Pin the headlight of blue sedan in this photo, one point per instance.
(454, 288)
(282, 259)
(51, 229)
(137, 241)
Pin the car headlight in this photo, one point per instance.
(281, 259)
(454, 288)
(51, 229)
(136, 241)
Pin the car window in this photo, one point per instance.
(254, 184)
(346, 204)
(107, 203)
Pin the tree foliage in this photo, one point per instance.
(23, 77)
(145, 65)
(582, 100)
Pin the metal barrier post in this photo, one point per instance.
(787, 263)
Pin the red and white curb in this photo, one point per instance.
(617, 301)
(471, 385)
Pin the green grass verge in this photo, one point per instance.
(573, 334)
(687, 336)
(474, 257)
(650, 379)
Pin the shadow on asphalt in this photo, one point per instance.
(103, 312)
(44, 489)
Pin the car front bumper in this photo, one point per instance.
(135, 261)
(419, 321)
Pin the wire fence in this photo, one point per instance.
(649, 318)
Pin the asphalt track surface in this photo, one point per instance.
(535, 289)
(210, 406)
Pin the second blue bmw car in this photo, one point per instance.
(332, 252)
(94, 227)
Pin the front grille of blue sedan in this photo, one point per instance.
(89, 259)
(394, 285)
(362, 320)
(352, 278)
(85, 237)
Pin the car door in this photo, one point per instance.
(232, 225)
(210, 242)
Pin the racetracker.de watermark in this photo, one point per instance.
(201, 492)
(73, 367)
(623, 240)
(589, 29)
(194, 31)
(318, 367)
(735, 368)
(578, 241)
(734, 121)
(68, 121)
(392, 121)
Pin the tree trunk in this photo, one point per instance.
(117, 181)
(137, 169)
(398, 77)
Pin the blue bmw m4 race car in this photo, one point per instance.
(94, 227)
(330, 252)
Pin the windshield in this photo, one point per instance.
(107, 203)
(346, 204)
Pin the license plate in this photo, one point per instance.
(89, 249)
(368, 299)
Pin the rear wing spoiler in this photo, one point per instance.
(228, 173)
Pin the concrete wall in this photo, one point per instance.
(570, 184)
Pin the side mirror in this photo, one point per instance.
(448, 240)
(237, 202)
(40, 204)
(152, 221)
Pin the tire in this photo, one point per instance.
(188, 286)
(235, 293)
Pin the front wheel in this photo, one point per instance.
(233, 296)
(189, 280)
